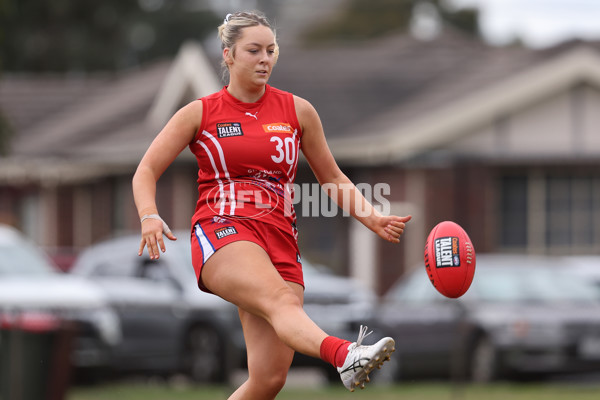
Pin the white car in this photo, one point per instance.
(35, 296)
(586, 267)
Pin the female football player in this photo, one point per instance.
(246, 139)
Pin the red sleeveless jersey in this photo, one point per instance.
(247, 157)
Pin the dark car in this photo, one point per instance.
(168, 325)
(522, 317)
(33, 293)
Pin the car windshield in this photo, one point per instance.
(22, 259)
(529, 285)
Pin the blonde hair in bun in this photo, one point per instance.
(231, 30)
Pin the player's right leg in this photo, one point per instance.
(242, 273)
(362, 360)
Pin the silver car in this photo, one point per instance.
(34, 296)
(523, 316)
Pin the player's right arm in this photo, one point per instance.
(168, 144)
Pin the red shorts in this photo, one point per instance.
(209, 235)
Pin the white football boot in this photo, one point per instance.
(361, 360)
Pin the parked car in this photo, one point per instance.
(33, 293)
(585, 266)
(168, 325)
(337, 304)
(522, 317)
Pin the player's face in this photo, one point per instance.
(254, 56)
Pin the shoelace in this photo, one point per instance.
(362, 333)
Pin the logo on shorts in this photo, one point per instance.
(220, 220)
(229, 129)
(446, 252)
(225, 231)
(298, 258)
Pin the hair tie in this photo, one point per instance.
(227, 18)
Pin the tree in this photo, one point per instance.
(364, 19)
(85, 35)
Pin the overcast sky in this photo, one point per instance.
(540, 23)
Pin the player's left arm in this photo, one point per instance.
(336, 184)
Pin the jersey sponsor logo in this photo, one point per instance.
(446, 252)
(229, 129)
(263, 173)
(278, 127)
(225, 231)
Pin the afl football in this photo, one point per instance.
(450, 259)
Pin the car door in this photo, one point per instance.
(426, 325)
(145, 298)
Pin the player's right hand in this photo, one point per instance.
(152, 238)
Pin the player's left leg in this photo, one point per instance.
(269, 359)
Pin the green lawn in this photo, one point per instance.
(410, 391)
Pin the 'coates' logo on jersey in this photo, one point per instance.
(446, 252)
(278, 127)
(225, 231)
(228, 129)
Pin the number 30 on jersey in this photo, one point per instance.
(286, 150)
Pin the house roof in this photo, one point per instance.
(496, 85)
(77, 127)
(389, 100)
(380, 101)
(351, 82)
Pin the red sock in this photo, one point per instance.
(334, 350)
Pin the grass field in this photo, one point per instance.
(409, 391)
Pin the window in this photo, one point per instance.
(550, 212)
(513, 225)
(570, 211)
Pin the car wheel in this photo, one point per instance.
(484, 361)
(204, 361)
